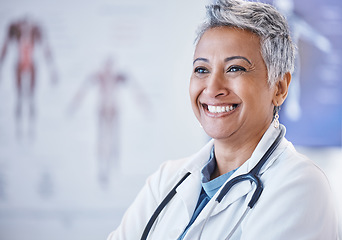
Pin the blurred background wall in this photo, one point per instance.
(103, 100)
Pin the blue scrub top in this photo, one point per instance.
(209, 188)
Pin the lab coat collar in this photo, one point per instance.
(266, 141)
(198, 160)
(191, 187)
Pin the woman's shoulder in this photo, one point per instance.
(294, 168)
(297, 191)
(171, 171)
(192, 163)
(297, 162)
(167, 175)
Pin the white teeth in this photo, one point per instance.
(220, 109)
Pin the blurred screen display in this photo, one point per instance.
(312, 112)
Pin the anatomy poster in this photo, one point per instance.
(93, 98)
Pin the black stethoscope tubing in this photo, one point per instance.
(251, 176)
(161, 206)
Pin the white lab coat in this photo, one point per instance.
(296, 203)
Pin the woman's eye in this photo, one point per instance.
(201, 70)
(236, 69)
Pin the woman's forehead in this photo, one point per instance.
(228, 41)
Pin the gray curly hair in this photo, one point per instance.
(277, 48)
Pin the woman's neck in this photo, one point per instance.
(233, 153)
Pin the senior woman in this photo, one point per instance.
(241, 73)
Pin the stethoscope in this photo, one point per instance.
(253, 176)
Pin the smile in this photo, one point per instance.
(219, 109)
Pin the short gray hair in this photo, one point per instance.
(277, 48)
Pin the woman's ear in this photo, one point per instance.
(281, 89)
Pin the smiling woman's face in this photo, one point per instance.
(229, 92)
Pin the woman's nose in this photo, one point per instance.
(216, 86)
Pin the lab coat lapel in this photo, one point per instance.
(236, 192)
(190, 189)
(189, 192)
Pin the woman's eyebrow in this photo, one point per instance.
(226, 59)
(200, 59)
(237, 57)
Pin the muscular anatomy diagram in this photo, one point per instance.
(108, 81)
(25, 35)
